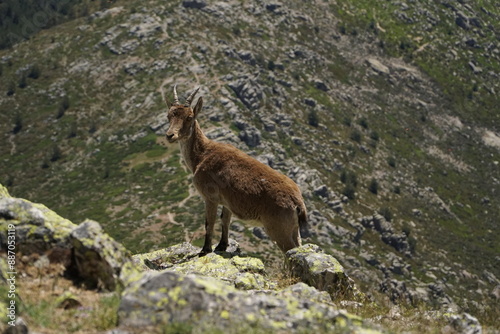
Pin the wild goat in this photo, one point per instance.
(244, 186)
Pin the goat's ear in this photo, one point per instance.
(198, 106)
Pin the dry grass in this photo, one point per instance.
(52, 304)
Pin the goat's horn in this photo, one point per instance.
(191, 97)
(176, 98)
(164, 97)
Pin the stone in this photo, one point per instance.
(244, 273)
(377, 66)
(465, 323)
(319, 84)
(251, 136)
(38, 229)
(259, 233)
(163, 298)
(20, 327)
(310, 102)
(320, 270)
(195, 4)
(248, 91)
(98, 259)
(322, 191)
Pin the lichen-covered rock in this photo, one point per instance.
(38, 229)
(167, 257)
(464, 323)
(321, 271)
(98, 258)
(243, 272)
(3, 192)
(160, 299)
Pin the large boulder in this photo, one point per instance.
(322, 271)
(166, 298)
(97, 258)
(241, 272)
(38, 229)
(87, 252)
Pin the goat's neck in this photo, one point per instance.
(193, 148)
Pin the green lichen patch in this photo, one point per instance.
(164, 298)
(167, 257)
(38, 228)
(3, 192)
(243, 273)
(321, 270)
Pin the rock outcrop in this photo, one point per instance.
(174, 286)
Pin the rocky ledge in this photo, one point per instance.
(228, 292)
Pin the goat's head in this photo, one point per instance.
(182, 117)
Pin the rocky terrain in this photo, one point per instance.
(173, 289)
(384, 113)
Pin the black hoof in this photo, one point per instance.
(204, 252)
(221, 248)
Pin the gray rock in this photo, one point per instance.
(251, 136)
(163, 298)
(20, 327)
(196, 4)
(377, 66)
(38, 229)
(322, 191)
(248, 91)
(159, 123)
(319, 84)
(98, 259)
(320, 270)
(310, 102)
(259, 233)
(465, 323)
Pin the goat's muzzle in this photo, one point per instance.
(172, 137)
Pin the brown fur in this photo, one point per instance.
(245, 187)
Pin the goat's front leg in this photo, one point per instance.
(226, 220)
(210, 218)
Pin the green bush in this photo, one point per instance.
(386, 212)
(356, 136)
(313, 118)
(373, 186)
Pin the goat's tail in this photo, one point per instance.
(303, 226)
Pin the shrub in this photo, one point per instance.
(363, 122)
(391, 161)
(22, 81)
(356, 136)
(63, 106)
(56, 153)
(18, 123)
(347, 121)
(11, 89)
(313, 118)
(386, 212)
(348, 177)
(349, 191)
(373, 186)
(34, 72)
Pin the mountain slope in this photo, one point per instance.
(385, 115)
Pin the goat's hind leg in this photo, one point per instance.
(226, 220)
(210, 218)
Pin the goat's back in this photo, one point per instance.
(246, 186)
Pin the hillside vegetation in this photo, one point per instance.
(384, 112)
